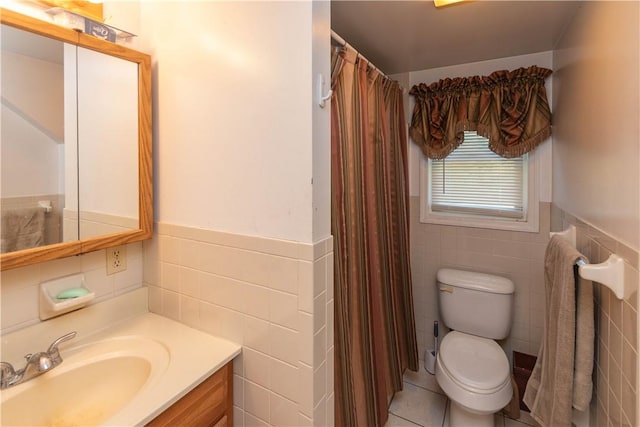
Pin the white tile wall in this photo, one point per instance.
(516, 255)
(274, 297)
(616, 358)
(19, 287)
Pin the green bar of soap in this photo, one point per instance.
(72, 293)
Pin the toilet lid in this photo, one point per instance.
(475, 363)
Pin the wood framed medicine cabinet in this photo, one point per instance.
(140, 225)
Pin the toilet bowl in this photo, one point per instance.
(474, 373)
(471, 368)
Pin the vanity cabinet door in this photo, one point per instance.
(222, 422)
(209, 404)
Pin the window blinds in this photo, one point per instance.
(473, 179)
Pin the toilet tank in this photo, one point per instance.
(476, 303)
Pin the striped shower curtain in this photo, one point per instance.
(375, 338)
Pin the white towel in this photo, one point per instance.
(22, 229)
(561, 377)
(585, 347)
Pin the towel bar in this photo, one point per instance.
(610, 273)
(46, 205)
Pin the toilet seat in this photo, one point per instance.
(474, 372)
(477, 364)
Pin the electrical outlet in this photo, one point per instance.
(116, 259)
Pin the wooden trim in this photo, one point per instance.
(145, 145)
(229, 412)
(31, 256)
(145, 157)
(109, 48)
(111, 240)
(35, 255)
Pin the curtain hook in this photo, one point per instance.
(322, 99)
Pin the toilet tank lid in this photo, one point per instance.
(476, 281)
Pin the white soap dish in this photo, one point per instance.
(51, 306)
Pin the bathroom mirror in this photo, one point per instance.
(76, 143)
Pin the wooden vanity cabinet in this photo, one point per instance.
(209, 404)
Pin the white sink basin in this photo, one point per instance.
(124, 368)
(94, 382)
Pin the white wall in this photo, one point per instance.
(233, 107)
(483, 68)
(596, 150)
(242, 162)
(108, 134)
(321, 123)
(32, 126)
(124, 15)
(30, 159)
(596, 154)
(34, 87)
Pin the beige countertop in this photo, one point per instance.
(193, 357)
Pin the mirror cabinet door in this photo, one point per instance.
(76, 162)
(38, 140)
(107, 144)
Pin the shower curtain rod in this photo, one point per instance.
(344, 43)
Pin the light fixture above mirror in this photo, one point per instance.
(441, 3)
(90, 9)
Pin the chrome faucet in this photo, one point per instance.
(37, 364)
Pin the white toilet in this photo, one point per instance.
(471, 368)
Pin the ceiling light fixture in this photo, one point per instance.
(440, 3)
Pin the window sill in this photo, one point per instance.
(531, 225)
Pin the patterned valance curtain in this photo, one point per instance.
(510, 108)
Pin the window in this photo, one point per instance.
(477, 188)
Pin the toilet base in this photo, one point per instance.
(461, 417)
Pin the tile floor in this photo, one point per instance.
(422, 403)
